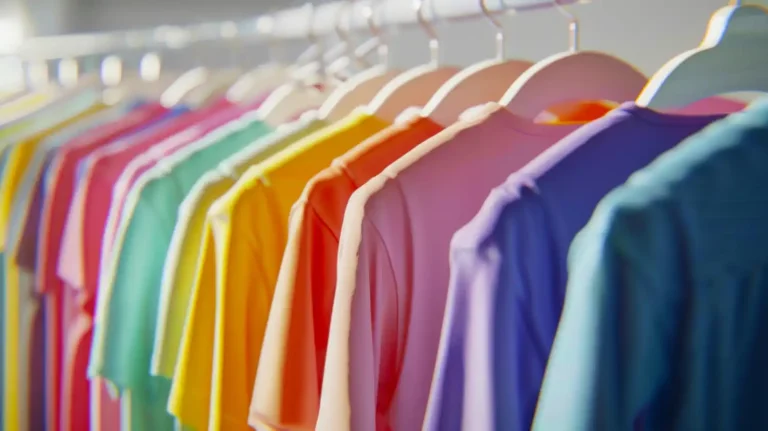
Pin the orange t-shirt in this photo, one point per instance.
(286, 394)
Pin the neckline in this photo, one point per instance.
(505, 118)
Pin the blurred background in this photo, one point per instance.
(643, 32)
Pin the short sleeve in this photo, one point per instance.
(620, 324)
(70, 263)
(127, 307)
(190, 393)
(362, 363)
(461, 383)
(524, 304)
(295, 342)
(179, 273)
(243, 299)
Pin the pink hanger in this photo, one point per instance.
(573, 76)
(477, 84)
(414, 87)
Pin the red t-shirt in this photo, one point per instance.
(44, 240)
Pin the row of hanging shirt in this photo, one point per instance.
(269, 265)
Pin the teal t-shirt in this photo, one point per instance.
(666, 311)
(127, 312)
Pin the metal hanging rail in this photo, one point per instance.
(287, 24)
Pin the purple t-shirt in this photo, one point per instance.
(508, 267)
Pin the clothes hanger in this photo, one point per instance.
(149, 80)
(477, 84)
(297, 96)
(181, 89)
(362, 87)
(731, 58)
(572, 76)
(414, 87)
(219, 80)
(263, 78)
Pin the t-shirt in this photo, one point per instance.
(663, 325)
(129, 295)
(31, 325)
(21, 200)
(56, 186)
(393, 268)
(18, 326)
(508, 267)
(81, 244)
(224, 114)
(27, 203)
(249, 227)
(101, 168)
(287, 389)
(20, 119)
(180, 265)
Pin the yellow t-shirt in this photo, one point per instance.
(179, 269)
(18, 160)
(245, 236)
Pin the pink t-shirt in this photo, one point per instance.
(55, 203)
(393, 267)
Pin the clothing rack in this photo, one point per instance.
(289, 24)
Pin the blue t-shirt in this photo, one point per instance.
(508, 266)
(666, 314)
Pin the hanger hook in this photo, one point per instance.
(434, 43)
(573, 26)
(499, 30)
(369, 12)
(268, 28)
(370, 19)
(341, 32)
(311, 34)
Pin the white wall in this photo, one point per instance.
(643, 32)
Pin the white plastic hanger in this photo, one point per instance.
(572, 76)
(295, 97)
(180, 90)
(362, 87)
(477, 84)
(220, 80)
(414, 87)
(733, 57)
(263, 78)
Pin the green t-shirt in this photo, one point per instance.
(127, 310)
